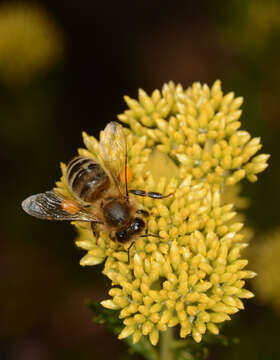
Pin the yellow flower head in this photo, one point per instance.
(199, 128)
(29, 42)
(184, 142)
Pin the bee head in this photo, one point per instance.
(135, 227)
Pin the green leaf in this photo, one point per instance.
(188, 349)
(107, 317)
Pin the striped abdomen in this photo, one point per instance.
(86, 178)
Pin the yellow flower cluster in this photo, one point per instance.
(184, 142)
(199, 128)
(265, 259)
(29, 42)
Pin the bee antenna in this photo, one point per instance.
(125, 171)
(153, 235)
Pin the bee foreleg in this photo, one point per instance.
(151, 194)
(94, 231)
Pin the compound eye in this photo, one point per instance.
(122, 236)
(137, 225)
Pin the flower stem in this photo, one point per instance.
(166, 338)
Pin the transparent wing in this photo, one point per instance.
(50, 206)
(113, 152)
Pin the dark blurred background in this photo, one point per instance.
(50, 91)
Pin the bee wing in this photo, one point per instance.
(50, 206)
(113, 153)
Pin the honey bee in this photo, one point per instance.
(100, 194)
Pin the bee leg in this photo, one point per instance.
(143, 212)
(94, 231)
(151, 194)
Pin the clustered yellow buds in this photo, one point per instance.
(199, 128)
(29, 42)
(184, 142)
